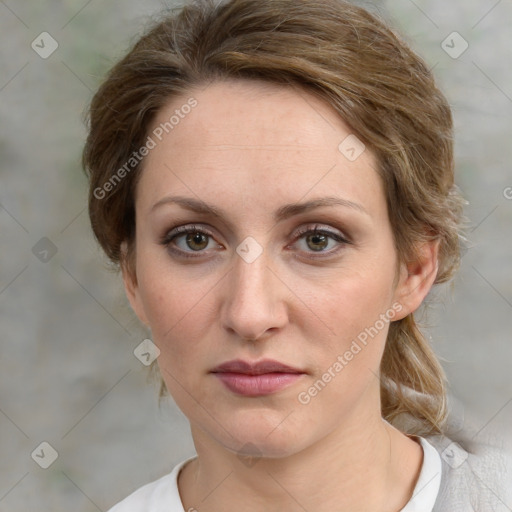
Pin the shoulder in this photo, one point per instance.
(149, 497)
(476, 473)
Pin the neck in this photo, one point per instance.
(354, 469)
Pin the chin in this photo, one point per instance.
(262, 447)
(255, 437)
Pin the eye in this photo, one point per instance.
(188, 239)
(317, 240)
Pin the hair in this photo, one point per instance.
(353, 61)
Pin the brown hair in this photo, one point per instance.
(349, 58)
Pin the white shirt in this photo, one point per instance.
(163, 495)
(427, 487)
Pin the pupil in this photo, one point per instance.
(315, 238)
(197, 239)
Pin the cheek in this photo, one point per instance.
(357, 310)
(354, 300)
(178, 314)
(346, 363)
(173, 301)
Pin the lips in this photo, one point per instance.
(259, 368)
(256, 379)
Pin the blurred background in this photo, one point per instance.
(68, 373)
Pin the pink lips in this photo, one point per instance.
(256, 379)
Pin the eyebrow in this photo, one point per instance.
(282, 213)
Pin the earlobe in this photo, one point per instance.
(417, 278)
(131, 286)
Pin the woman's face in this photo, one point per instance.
(247, 283)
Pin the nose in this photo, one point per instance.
(255, 299)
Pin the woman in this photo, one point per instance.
(275, 181)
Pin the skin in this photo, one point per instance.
(249, 148)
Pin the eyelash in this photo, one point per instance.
(170, 236)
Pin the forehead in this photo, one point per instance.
(249, 137)
(254, 112)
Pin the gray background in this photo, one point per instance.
(68, 373)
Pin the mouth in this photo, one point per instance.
(257, 379)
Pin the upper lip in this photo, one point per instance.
(255, 368)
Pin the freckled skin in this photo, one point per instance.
(249, 149)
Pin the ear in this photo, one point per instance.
(131, 286)
(417, 277)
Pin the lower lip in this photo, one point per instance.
(257, 385)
